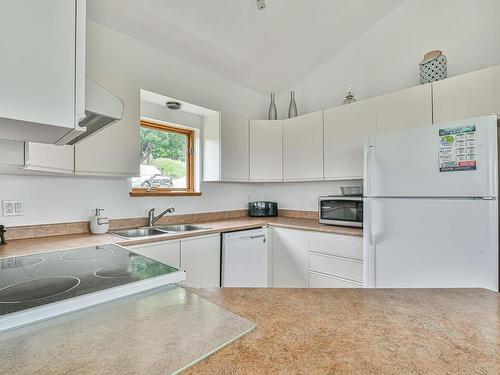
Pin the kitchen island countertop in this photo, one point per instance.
(298, 331)
(360, 331)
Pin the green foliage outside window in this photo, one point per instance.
(158, 144)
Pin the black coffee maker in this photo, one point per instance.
(2, 235)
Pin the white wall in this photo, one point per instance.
(50, 199)
(385, 58)
(64, 199)
(157, 112)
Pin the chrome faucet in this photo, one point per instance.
(152, 219)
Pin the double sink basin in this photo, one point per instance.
(157, 231)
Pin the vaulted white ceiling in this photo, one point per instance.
(264, 50)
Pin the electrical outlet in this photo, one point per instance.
(13, 208)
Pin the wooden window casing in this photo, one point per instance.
(190, 170)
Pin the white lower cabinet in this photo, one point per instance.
(290, 258)
(302, 259)
(350, 269)
(319, 280)
(200, 258)
(166, 252)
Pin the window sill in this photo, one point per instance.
(164, 194)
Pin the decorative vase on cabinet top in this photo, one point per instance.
(292, 108)
(272, 113)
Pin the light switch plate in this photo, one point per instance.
(13, 208)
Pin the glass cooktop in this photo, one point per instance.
(40, 279)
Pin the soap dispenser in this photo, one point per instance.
(99, 224)
(2, 235)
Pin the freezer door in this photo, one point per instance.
(431, 243)
(407, 163)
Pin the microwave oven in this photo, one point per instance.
(341, 210)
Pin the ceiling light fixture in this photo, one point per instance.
(261, 4)
(174, 105)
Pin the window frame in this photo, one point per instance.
(190, 163)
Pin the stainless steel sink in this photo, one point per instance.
(140, 232)
(181, 228)
(156, 231)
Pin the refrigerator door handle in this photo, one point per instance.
(367, 167)
(369, 249)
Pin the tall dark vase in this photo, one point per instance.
(272, 113)
(292, 108)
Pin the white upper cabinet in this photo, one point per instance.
(11, 153)
(42, 70)
(303, 147)
(115, 151)
(225, 148)
(266, 162)
(42, 157)
(346, 127)
(468, 95)
(405, 108)
(234, 148)
(211, 147)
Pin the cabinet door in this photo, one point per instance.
(405, 108)
(234, 148)
(290, 258)
(211, 147)
(115, 151)
(200, 258)
(11, 153)
(266, 159)
(319, 280)
(166, 252)
(336, 244)
(346, 128)
(345, 268)
(49, 158)
(41, 67)
(468, 95)
(303, 147)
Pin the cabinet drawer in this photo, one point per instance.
(318, 280)
(342, 267)
(332, 244)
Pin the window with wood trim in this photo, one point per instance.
(167, 161)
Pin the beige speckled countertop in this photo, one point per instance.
(31, 245)
(360, 331)
(298, 331)
(156, 332)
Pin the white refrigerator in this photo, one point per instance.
(431, 208)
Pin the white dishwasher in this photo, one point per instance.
(245, 258)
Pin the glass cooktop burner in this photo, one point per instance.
(85, 254)
(37, 289)
(35, 280)
(120, 270)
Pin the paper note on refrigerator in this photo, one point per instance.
(457, 148)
